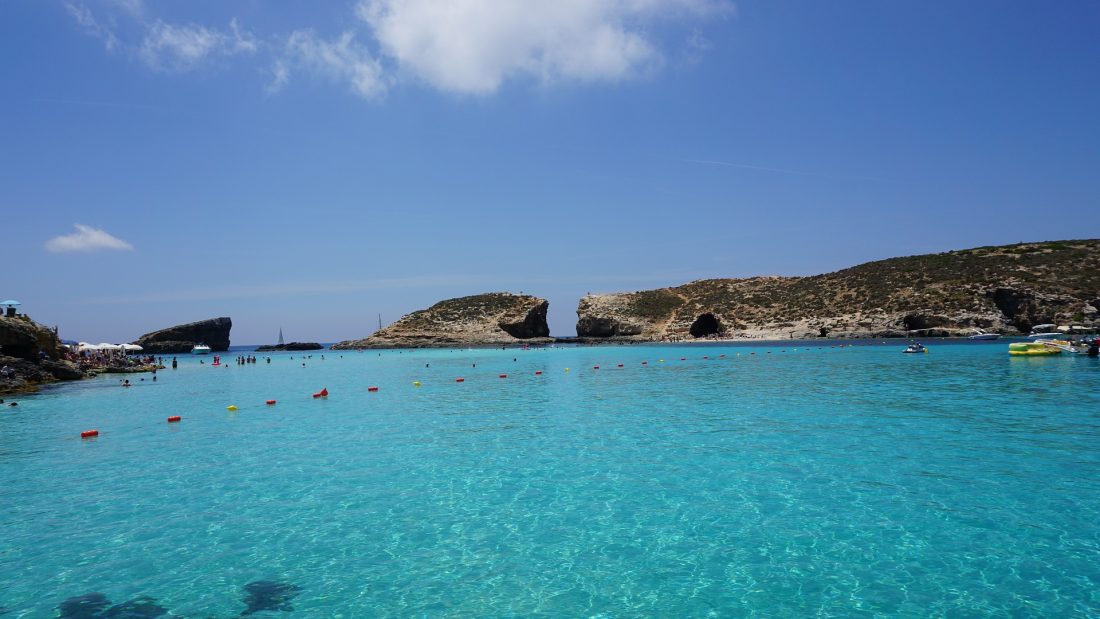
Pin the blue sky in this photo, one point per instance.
(311, 165)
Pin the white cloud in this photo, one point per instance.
(341, 60)
(183, 47)
(87, 238)
(472, 46)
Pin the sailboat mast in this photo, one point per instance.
(379, 321)
(280, 336)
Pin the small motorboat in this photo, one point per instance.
(1044, 332)
(200, 349)
(982, 335)
(915, 348)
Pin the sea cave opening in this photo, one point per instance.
(704, 325)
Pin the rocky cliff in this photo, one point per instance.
(180, 339)
(494, 318)
(1006, 289)
(33, 355)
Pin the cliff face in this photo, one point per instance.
(180, 339)
(486, 319)
(22, 345)
(23, 338)
(1006, 289)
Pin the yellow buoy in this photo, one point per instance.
(566, 369)
(416, 383)
(231, 407)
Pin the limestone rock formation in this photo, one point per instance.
(1005, 289)
(181, 338)
(32, 353)
(495, 318)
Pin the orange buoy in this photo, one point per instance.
(270, 402)
(89, 434)
(460, 380)
(372, 389)
(503, 376)
(174, 419)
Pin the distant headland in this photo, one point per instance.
(1004, 289)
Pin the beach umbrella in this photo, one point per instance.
(106, 346)
(10, 303)
(133, 347)
(69, 342)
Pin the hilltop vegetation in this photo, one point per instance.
(1005, 288)
(490, 318)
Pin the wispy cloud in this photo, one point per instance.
(341, 59)
(83, 16)
(86, 239)
(459, 46)
(183, 47)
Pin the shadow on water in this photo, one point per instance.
(269, 595)
(97, 606)
(260, 596)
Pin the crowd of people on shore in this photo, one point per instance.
(103, 359)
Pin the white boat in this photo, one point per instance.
(1044, 332)
(200, 349)
(914, 348)
(982, 335)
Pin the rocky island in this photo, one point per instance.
(290, 346)
(1004, 289)
(182, 338)
(490, 319)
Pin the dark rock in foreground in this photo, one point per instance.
(490, 319)
(32, 355)
(290, 346)
(182, 338)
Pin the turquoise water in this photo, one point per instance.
(834, 481)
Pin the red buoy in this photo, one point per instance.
(503, 376)
(460, 380)
(645, 363)
(323, 393)
(89, 433)
(173, 419)
(270, 402)
(372, 389)
(595, 367)
(538, 372)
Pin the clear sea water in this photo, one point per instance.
(786, 483)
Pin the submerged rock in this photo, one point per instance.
(495, 318)
(182, 338)
(269, 595)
